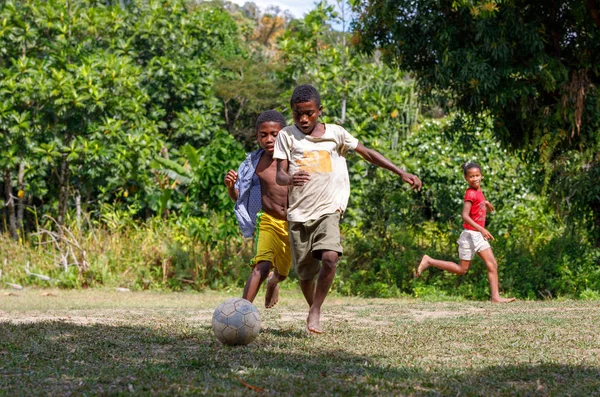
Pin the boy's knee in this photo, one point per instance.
(463, 271)
(329, 262)
(262, 268)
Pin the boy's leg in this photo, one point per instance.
(452, 267)
(258, 275)
(272, 293)
(301, 252)
(324, 280)
(316, 246)
(282, 261)
(492, 267)
(308, 290)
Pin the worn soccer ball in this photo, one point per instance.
(236, 322)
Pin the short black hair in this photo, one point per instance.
(468, 165)
(270, 115)
(305, 93)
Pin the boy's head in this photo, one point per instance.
(472, 173)
(268, 124)
(470, 165)
(305, 93)
(306, 107)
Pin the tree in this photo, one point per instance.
(271, 25)
(248, 86)
(248, 82)
(531, 65)
(90, 93)
(70, 103)
(176, 48)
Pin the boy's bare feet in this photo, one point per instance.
(503, 300)
(423, 265)
(272, 294)
(313, 322)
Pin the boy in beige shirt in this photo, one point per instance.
(311, 161)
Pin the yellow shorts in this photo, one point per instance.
(271, 243)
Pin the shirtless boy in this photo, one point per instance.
(261, 208)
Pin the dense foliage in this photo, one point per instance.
(530, 65)
(119, 120)
(538, 255)
(91, 94)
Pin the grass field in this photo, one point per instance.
(93, 342)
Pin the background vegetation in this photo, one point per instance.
(118, 121)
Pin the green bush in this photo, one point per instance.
(388, 228)
(174, 253)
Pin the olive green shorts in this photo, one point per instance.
(309, 239)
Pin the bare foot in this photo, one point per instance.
(503, 300)
(272, 294)
(423, 265)
(313, 322)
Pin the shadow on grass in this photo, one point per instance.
(283, 333)
(61, 358)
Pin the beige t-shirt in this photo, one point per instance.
(324, 158)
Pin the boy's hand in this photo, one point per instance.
(487, 235)
(489, 206)
(412, 180)
(300, 178)
(231, 178)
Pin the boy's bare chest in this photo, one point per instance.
(274, 196)
(266, 169)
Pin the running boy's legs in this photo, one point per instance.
(258, 275)
(324, 280)
(308, 290)
(316, 247)
(452, 267)
(492, 267)
(272, 251)
(272, 293)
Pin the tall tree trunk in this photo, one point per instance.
(63, 194)
(78, 209)
(10, 205)
(21, 196)
(596, 217)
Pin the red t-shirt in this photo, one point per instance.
(478, 209)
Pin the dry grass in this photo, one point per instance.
(94, 342)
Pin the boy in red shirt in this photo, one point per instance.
(474, 239)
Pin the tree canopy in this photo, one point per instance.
(531, 65)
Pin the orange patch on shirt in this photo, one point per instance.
(315, 161)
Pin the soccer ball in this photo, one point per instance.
(236, 322)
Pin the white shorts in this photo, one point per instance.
(471, 242)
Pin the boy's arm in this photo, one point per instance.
(283, 178)
(376, 158)
(230, 180)
(467, 218)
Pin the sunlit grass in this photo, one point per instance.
(158, 256)
(102, 342)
